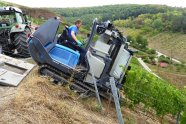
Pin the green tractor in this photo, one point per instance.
(14, 32)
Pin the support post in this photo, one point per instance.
(116, 100)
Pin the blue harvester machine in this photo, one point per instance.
(106, 63)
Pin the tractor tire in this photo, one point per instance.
(21, 45)
(7, 51)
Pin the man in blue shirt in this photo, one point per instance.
(72, 32)
(75, 43)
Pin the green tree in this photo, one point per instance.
(158, 24)
(142, 42)
(177, 24)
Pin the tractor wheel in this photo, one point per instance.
(20, 40)
(7, 51)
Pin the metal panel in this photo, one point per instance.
(13, 71)
(120, 62)
(102, 47)
(98, 65)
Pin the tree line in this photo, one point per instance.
(174, 21)
(109, 12)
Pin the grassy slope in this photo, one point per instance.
(171, 44)
(39, 101)
(171, 74)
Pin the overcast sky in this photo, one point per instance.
(83, 3)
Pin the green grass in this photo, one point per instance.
(38, 21)
(129, 31)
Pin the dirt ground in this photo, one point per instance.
(6, 95)
(38, 101)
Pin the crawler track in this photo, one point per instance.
(78, 86)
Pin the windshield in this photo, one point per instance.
(20, 18)
(7, 18)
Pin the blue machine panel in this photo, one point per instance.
(64, 55)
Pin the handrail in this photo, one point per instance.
(92, 34)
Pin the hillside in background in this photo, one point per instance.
(151, 21)
(37, 14)
(165, 32)
(110, 12)
(171, 44)
(121, 12)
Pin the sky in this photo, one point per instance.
(86, 3)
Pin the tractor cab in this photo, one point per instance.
(11, 15)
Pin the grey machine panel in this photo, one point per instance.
(101, 46)
(120, 63)
(97, 67)
(13, 71)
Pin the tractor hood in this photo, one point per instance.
(10, 9)
(47, 31)
(7, 27)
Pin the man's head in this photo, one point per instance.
(78, 23)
